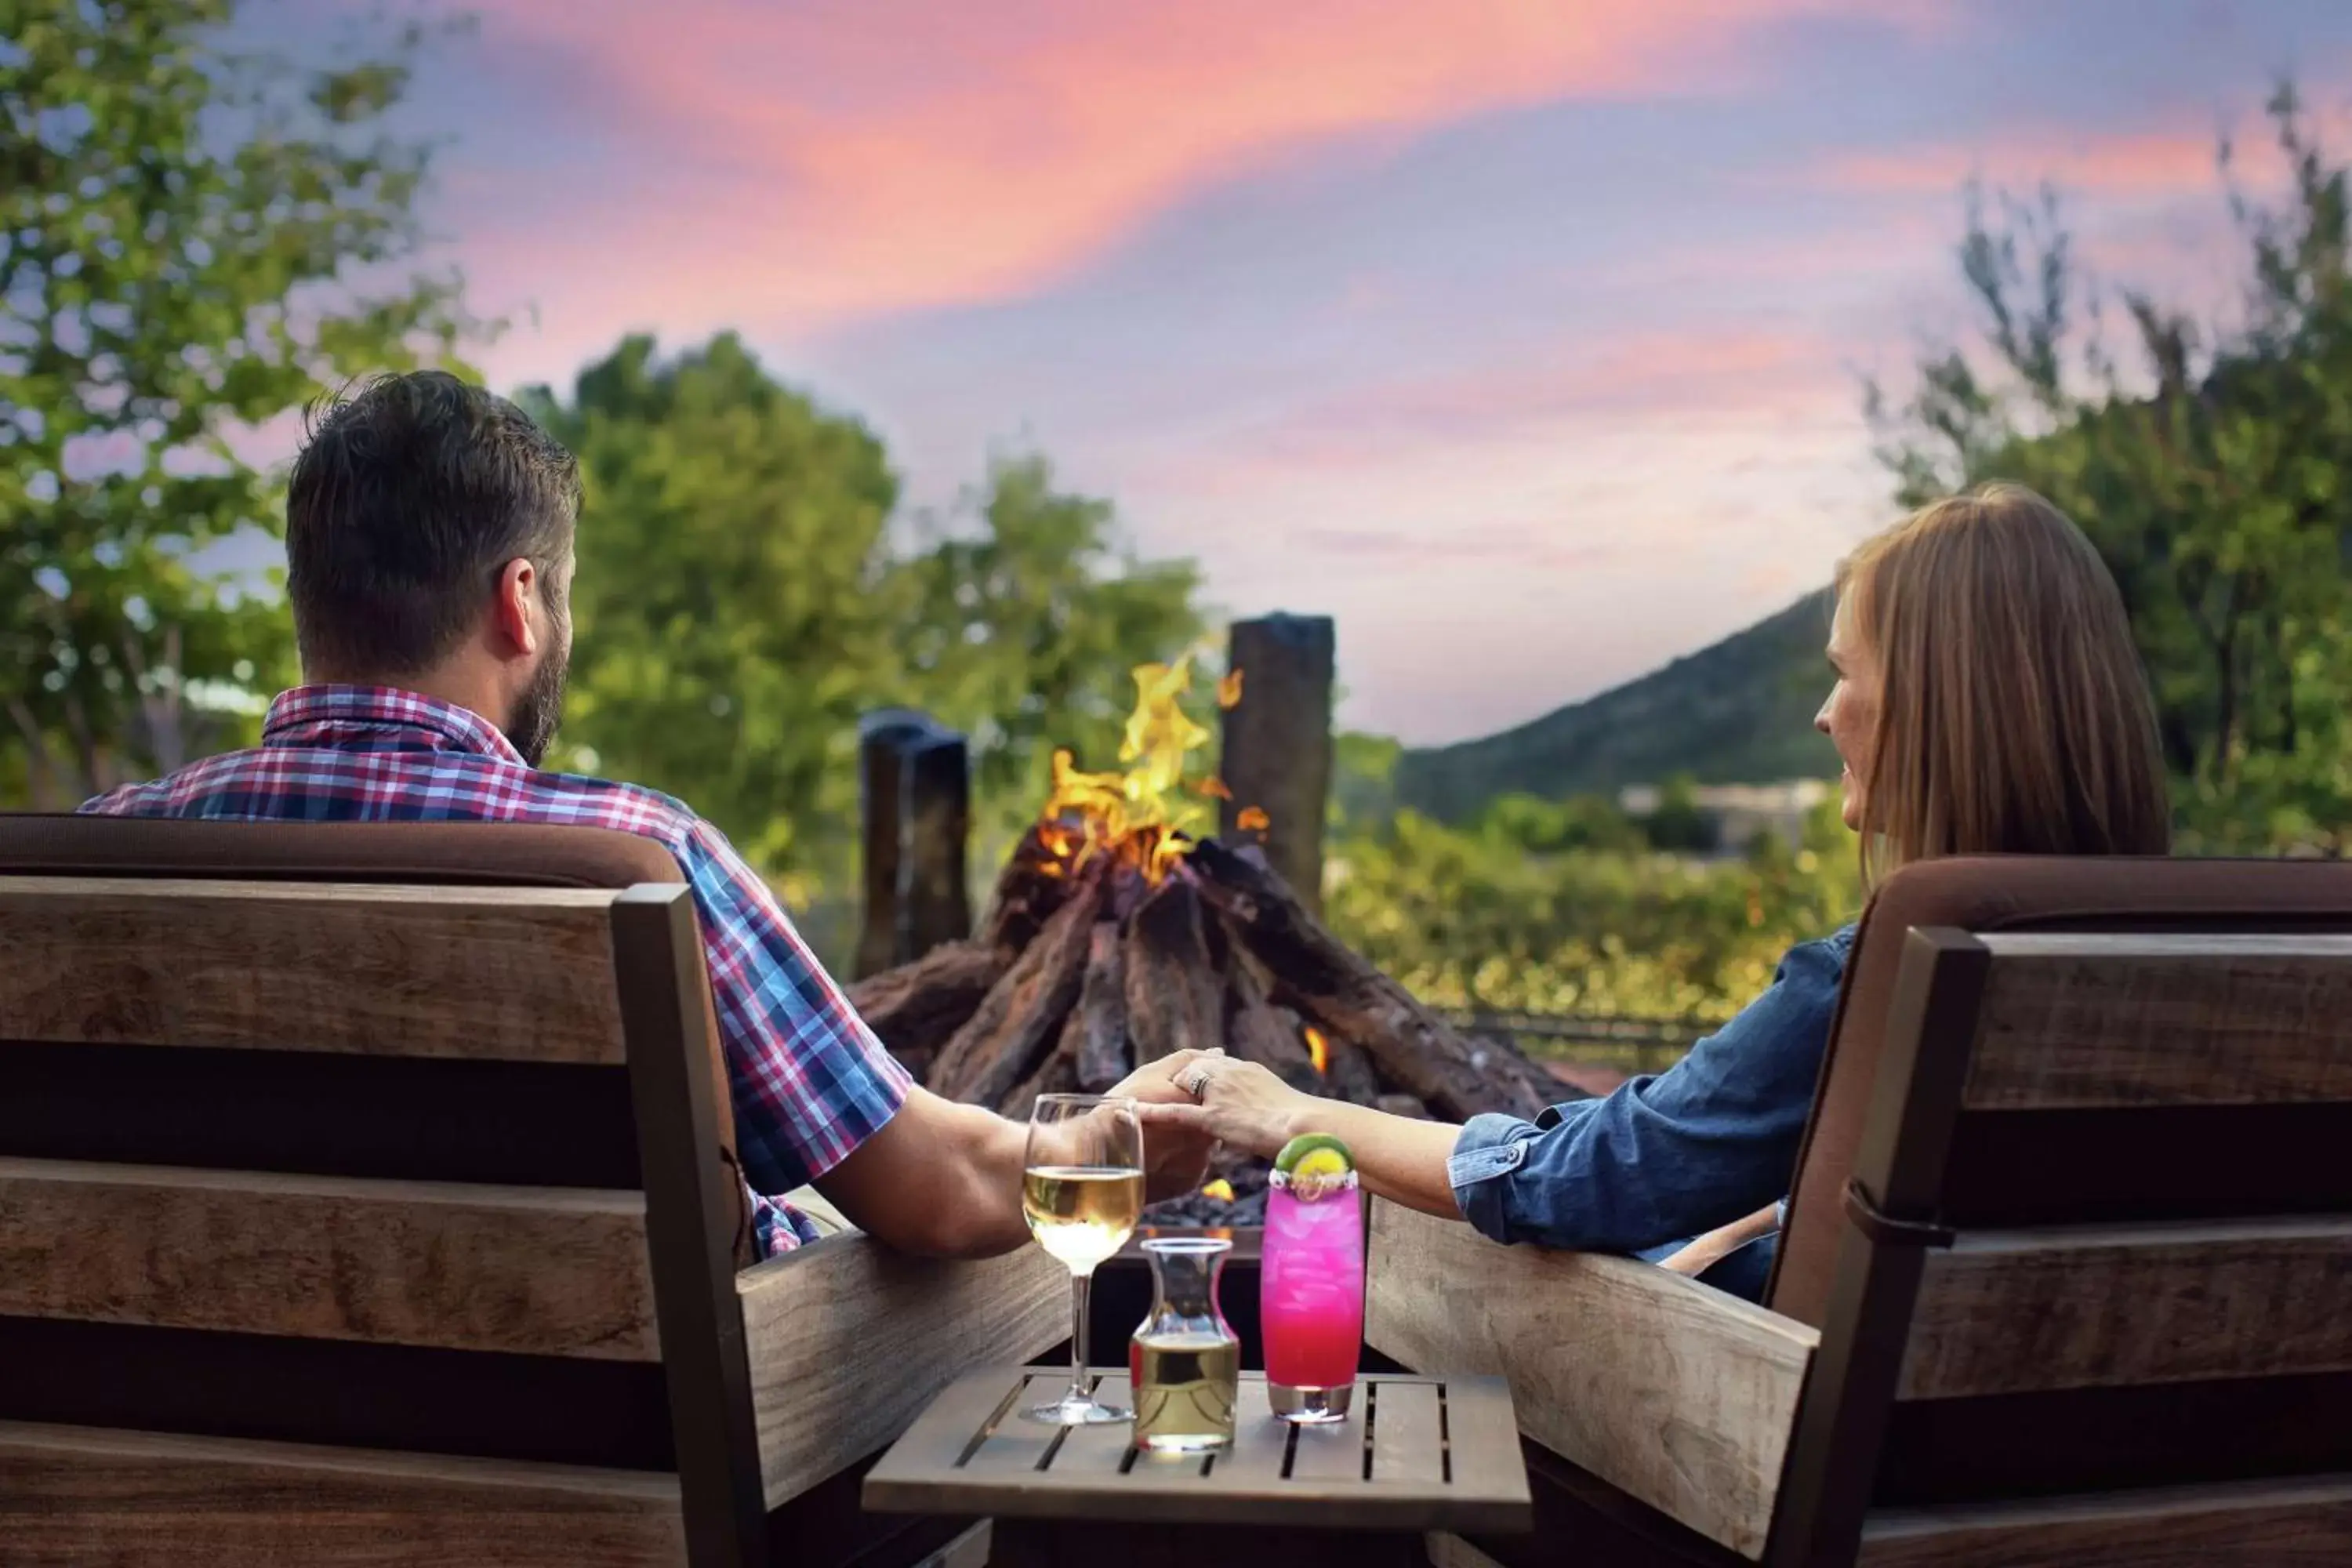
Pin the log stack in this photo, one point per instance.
(1082, 971)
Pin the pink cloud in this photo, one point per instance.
(1528, 546)
(827, 161)
(2158, 164)
(1662, 377)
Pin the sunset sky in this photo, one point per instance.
(1523, 336)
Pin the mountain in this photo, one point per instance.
(1740, 711)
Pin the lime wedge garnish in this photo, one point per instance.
(1314, 1154)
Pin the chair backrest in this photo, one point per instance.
(366, 1184)
(2074, 1221)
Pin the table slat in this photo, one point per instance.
(1482, 1429)
(1408, 1434)
(1018, 1444)
(1332, 1455)
(1261, 1444)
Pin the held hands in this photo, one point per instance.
(1219, 1098)
(1175, 1157)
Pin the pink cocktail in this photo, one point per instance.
(1311, 1295)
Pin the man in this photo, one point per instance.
(429, 548)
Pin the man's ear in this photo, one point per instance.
(513, 606)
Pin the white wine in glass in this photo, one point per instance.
(1082, 1190)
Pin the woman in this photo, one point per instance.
(1988, 701)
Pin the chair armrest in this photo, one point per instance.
(848, 1341)
(828, 1220)
(1672, 1392)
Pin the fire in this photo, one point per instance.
(1318, 1049)
(1219, 1189)
(1148, 814)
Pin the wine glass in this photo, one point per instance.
(1082, 1190)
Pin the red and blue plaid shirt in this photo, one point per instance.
(810, 1081)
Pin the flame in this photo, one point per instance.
(1147, 815)
(1318, 1049)
(1219, 1189)
(1229, 690)
(1252, 819)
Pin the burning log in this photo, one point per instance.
(1020, 1018)
(1036, 882)
(1096, 1034)
(1258, 1031)
(1115, 937)
(1347, 1072)
(1174, 998)
(1058, 1074)
(1328, 982)
(915, 1007)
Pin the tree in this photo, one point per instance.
(192, 240)
(2206, 462)
(1022, 624)
(733, 606)
(742, 597)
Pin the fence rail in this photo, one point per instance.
(1634, 1045)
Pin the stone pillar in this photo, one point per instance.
(915, 792)
(1277, 743)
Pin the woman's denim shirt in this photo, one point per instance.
(1666, 1157)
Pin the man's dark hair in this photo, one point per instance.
(407, 499)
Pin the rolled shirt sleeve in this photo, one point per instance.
(1710, 1139)
(809, 1080)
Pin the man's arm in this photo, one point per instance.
(814, 1091)
(941, 1180)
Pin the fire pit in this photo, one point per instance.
(1117, 934)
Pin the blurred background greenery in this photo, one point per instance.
(195, 244)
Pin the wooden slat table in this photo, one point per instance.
(1418, 1454)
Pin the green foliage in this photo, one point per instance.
(1535, 826)
(1678, 823)
(1022, 622)
(1473, 918)
(730, 608)
(182, 234)
(741, 599)
(1363, 781)
(2207, 463)
(1740, 711)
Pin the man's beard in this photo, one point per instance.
(539, 709)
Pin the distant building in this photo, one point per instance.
(1740, 811)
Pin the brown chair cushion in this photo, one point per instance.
(465, 853)
(2007, 893)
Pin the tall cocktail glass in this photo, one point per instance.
(1311, 1294)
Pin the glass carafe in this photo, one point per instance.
(1185, 1362)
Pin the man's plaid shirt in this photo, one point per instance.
(810, 1081)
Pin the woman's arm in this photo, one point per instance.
(1244, 1105)
(1716, 1245)
(1659, 1159)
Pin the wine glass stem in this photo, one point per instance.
(1080, 1284)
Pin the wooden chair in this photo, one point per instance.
(367, 1195)
(2068, 1271)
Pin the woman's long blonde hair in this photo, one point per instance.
(2013, 716)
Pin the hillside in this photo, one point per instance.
(1740, 711)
